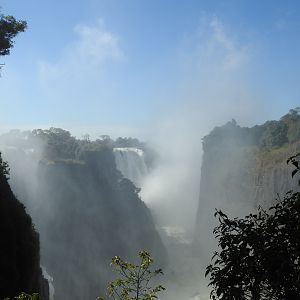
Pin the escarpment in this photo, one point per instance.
(243, 168)
(20, 249)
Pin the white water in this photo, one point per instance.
(50, 283)
(131, 163)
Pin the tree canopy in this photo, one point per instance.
(268, 136)
(260, 254)
(9, 28)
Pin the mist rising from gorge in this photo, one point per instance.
(214, 89)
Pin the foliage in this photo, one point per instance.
(129, 142)
(59, 143)
(292, 119)
(268, 136)
(4, 168)
(274, 134)
(295, 162)
(9, 28)
(24, 296)
(134, 279)
(260, 254)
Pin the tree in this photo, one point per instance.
(274, 134)
(59, 144)
(134, 280)
(292, 119)
(9, 28)
(4, 168)
(260, 254)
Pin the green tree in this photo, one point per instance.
(274, 134)
(134, 280)
(260, 254)
(9, 28)
(59, 144)
(292, 119)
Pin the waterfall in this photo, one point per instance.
(131, 163)
(50, 282)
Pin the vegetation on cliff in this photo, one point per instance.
(242, 169)
(59, 144)
(259, 256)
(268, 136)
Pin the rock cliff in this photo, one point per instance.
(20, 251)
(243, 168)
(86, 213)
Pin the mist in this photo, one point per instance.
(214, 90)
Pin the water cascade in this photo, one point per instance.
(131, 163)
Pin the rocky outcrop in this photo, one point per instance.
(19, 252)
(87, 212)
(243, 168)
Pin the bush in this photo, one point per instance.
(260, 254)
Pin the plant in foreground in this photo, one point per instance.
(134, 280)
(24, 296)
(259, 256)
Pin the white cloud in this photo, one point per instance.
(217, 74)
(234, 54)
(97, 44)
(82, 60)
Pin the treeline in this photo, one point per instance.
(59, 144)
(271, 135)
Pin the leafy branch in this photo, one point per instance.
(133, 283)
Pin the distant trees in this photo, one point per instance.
(129, 142)
(268, 136)
(260, 254)
(292, 119)
(274, 134)
(59, 144)
(9, 28)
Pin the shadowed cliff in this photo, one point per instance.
(85, 210)
(19, 252)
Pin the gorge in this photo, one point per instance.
(84, 199)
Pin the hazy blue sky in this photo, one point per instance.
(111, 66)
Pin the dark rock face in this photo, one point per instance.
(19, 252)
(87, 214)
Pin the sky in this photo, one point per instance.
(130, 67)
